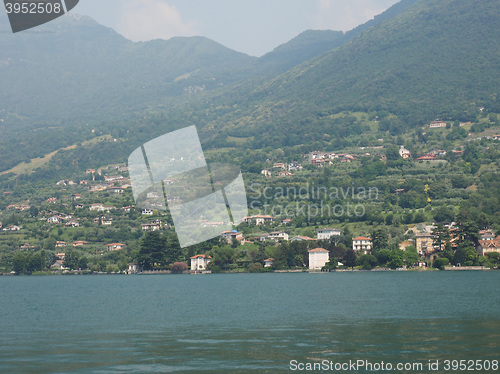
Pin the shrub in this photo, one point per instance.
(179, 267)
(440, 263)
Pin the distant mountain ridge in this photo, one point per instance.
(83, 64)
(74, 58)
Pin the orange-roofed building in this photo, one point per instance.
(200, 262)
(362, 244)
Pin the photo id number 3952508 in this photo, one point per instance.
(33, 8)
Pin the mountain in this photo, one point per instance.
(419, 60)
(309, 44)
(313, 43)
(58, 78)
(437, 58)
(58, 71)
(76, 68)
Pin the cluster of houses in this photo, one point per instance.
(318, 257)
(320, 159)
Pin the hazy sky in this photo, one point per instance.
(254, 27)
(251, 26)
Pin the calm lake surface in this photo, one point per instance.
(246, 323)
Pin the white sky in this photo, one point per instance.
(254, 27)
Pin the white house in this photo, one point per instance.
(362, 244)
(115, 246)
(55, 219)
(133, 268)
(268, 262)
(327, 233)
(275, 236)
(404, 153)
(72, 224)
(151, 227)
(232, 234)
(318, 257)
(437, 124)
(12, 228)
(106, 221)
(58, 265)
(261, 219)
(200, 262)
(117, 190)
(99, 207)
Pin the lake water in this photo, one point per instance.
(247, 323)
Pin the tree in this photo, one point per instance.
(411, 256)
(465, 255)
(367, 262)
(468, 229)
(173, 249)
(382, 256)
(380, 237)
(331, 264)
(33, 211)
(259, 255)
(337, 251)
(49, 243)
(23, 262)
(396, 259)
(256, 267)
(19, 262)
(71, 260)
(222, 257)
(347, 238)
(350, 258)
(152, 251)
(444, 214)
(392, 152)
(440, 237)
(440, 263)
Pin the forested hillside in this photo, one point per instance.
(436, 59)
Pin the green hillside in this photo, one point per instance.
(436, 59)
(418, 61)
(77, 68)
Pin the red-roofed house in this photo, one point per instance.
(426, 158)
(362, 244)
(200, 262)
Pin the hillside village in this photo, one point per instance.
(94, 219)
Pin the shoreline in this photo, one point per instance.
(168, 272)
